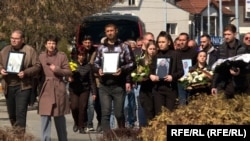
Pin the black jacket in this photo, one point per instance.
(84, 79)
(225, 75)
(175, 69)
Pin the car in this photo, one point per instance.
(129, 27)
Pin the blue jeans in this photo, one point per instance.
(17, 101)
(139, 112)
(109, 94)
(183, 95)
(130, 108)
(90, 111)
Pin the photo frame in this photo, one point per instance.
(162, 67)
(187, 63)
(110, 62)
(15, 62)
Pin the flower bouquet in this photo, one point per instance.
(141, 72)
(198, 78)
(73, 66)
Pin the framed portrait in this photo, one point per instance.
(15, 62)
(162, 67)
(187, 63)
(110, 62)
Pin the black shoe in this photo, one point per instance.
(75, 128)
(82, 130)
(99, 128)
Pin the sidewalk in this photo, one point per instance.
(33, 126)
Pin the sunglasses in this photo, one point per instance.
(247, 38)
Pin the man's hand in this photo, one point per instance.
(154, 78)
(21, 74)
(3, 72)
(214, 91)
(235, 73)
(118, 72)
(100, 72)
(128, 87)
(168, 78)
(93, 97)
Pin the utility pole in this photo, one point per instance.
(237, 18)
(221, 20)
(208, 17)
(165, 15)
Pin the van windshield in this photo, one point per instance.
(126, 30)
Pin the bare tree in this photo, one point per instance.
(39, 17)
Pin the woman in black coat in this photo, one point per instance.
(81, 83)
(165, 89)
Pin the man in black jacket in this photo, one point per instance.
(232, 77)
(113, 84)
(207, 46)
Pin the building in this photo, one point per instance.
(191, 16)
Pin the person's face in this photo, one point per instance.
(205, 42)
(151, 50)
(229, 36)
(139, 44)
(50, 46)
(201, 58)
(163, 43)
(176, 44)
(80, 57)
(163, 62)
(133, 46)
(191, 43)
(182, 41)
(246, 39)
(185, 65)
(146, 39)
(87, 44)
(16, 41)
(110, 32)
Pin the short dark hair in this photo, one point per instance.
(231, 28)
(206, 35)
(87, 37)
(185, 34)
(51, 37)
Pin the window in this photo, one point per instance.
(171, 28)
(131, 2)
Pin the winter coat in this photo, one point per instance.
(30, 66)
(84, 79)
(53, 98)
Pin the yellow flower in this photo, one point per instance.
(73, 66)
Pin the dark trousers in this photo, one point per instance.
(17, 101)
(79, 105)
(147, 103)
(107, 95)
(98, 108)
(166, 99)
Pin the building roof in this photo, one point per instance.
(197, 6)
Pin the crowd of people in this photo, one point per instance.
(113, 93)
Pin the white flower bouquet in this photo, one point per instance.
(197, 78)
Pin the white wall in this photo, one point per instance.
(154, 15)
